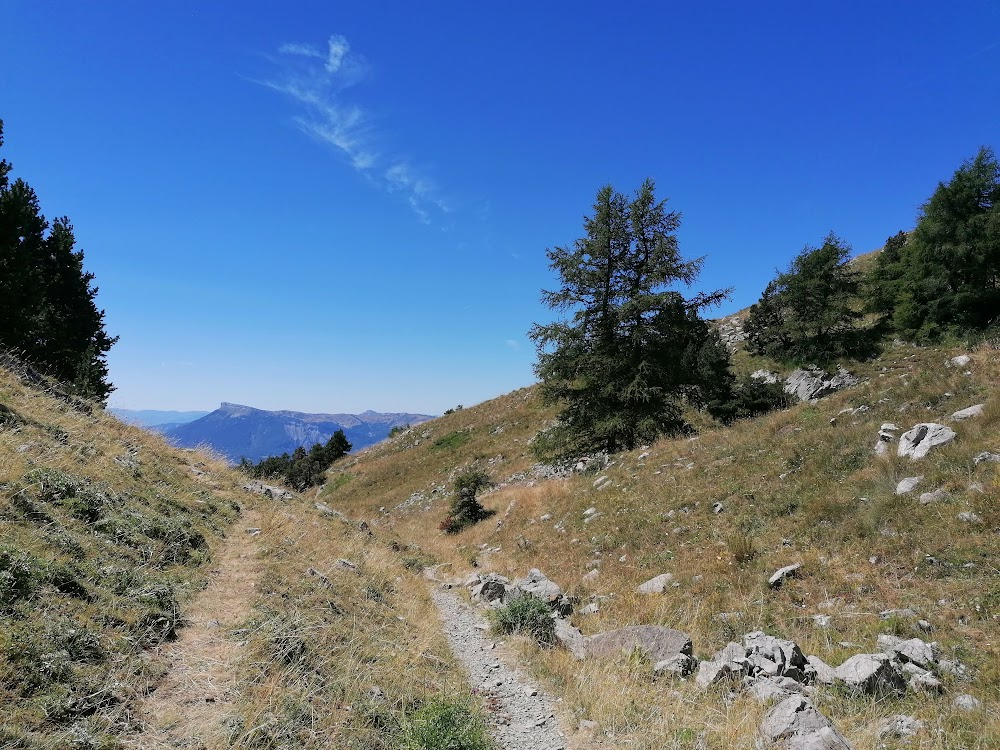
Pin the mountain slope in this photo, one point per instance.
(236, 431)
(721, 512)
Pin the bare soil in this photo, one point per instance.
(191, 706)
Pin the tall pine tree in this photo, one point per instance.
(48, 312)
(810, 312)
(623, 361)
(945, 279)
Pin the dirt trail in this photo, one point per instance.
(522, 717)
(192, 704)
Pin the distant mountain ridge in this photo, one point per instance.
(156, 417)
(237, 431)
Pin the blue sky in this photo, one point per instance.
(339, 206)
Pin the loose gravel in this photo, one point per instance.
(520, 715)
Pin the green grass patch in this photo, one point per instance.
(452, 441)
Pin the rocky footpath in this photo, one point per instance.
(521, 716)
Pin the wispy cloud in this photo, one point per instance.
(513, 345)
(318, 80)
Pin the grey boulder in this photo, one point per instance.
(972, 411)
(778, 577)
(795, 724)
(655, 642)
(812, 382)
(870, 674)
(655, 585)
(918, 441)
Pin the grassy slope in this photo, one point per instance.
(103, 536)
(793, 485)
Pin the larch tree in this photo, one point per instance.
(626, 356)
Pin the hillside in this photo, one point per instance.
(236, 431)
(720, 513)
(148, 600)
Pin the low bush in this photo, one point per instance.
(445, 725)
(526, 614)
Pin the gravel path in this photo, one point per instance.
(521, 716)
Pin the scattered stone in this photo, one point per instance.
(823, 673)
(913, 650)
(347, 565)
(966, 702)
(887, 614)
(656, 585)
(972, 411)
(657, 643)
(822, 621)
(917, 441)
(539, 585)
(908, 485)
(490, 588)
(593, 517)
(545, 517)
(592, 575)
(993, 458)
(602, 483)
(268, 490)
(768, 689)
(886, 436)
(765, 376)
(679, 665)
(960, 361)
(795, 724)
(774, 656)
(954, 668)
(778, 577)
(937, 496)
(871, 674)
(925, 682)
(717, 508)
(967, 516)
(590, 609)
(812, 382)
(900, 725)
(589, 512)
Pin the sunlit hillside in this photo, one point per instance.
(721, 511)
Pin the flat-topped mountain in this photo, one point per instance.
(236, 431)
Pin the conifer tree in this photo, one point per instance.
(945, 280)
(48, 312)
(809, 314)
(624, 360)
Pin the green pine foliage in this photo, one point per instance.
(302, 469)
(47, 309)
(624, 361)
(810, 313)
(944, 279)
(466, 509)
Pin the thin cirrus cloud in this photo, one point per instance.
(318, 80)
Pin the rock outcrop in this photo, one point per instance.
(812, 382)
(918, 441)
